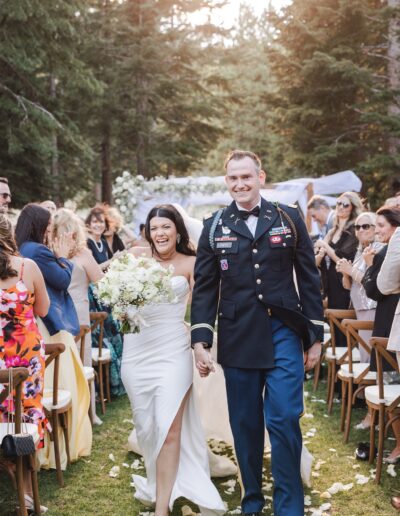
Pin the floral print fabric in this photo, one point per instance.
(21, 345)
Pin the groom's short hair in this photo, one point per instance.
(238, 154)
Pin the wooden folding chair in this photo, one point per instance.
(101, 358)
(57, 403)
(20, 374)
(382, 400)
(325, 345)
(88, 371)
(352, 373)
(334, 355)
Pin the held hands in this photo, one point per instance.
(312, 356)
(203, 360)
(368, 255)
(62, 245)
(344, 266)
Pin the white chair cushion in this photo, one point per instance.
(391, 393)
(105, 355)
(339, 352)
(29, 427)
(327, 328)
(89, 373)
(358, 369)
(64, 398)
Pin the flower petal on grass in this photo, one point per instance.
(390, 470)
(111, 457)
(361, 479)
(114, 472)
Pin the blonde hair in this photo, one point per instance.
(356, 211)
(66, 221)
(114, 215)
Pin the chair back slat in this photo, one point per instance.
(53, 352)
(80, 339)
(98, 319)
(19, 375)
(380, 346)
(335, 318)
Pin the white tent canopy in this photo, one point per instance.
(287, 192)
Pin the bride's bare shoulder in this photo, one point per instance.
(140, 251)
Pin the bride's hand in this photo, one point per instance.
(203, 360)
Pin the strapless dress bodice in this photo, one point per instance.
(169, 312)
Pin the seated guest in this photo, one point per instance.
(388, 282)
(96, 223)
(353, 274)
(5, 195)
(61, 323)
(85, 271)
(118, 236)
(49, 205)
(23, 295)
(340, 242)
(321, 213)
(388, 219)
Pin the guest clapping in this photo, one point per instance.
(340, 242)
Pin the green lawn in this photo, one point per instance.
(89, 490)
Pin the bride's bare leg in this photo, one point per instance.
(168, 462)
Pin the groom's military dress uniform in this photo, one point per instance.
(247, 281)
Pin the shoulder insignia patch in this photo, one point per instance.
(292, 205)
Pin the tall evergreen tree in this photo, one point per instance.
(39, 75)
(330, 108)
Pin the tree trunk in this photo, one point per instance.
(54, 166)
(106, 190)
(394, 73)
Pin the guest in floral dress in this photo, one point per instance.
(23, 295)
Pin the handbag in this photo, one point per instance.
(16, 445)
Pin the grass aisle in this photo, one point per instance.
(89, 490)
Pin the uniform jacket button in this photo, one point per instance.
(260, 296)
(258, 281)
(223, 251)
(255, 251)
(256, 266)
(220, 314)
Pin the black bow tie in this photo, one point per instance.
(246, 214)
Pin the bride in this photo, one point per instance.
(157, 372)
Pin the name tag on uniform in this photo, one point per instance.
(226, 239)
(223, 245)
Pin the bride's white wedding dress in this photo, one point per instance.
(157, 372)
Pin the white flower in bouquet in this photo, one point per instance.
(131, 283)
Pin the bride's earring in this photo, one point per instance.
(178, 238)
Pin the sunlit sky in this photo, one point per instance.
(227, 15)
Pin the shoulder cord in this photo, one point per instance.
(214, 227)
(291, 224)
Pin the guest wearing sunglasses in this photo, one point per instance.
(5, 195)
(340, 242)
(353, 274)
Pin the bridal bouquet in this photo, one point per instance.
(131, 283)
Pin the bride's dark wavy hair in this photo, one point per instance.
(170, 212)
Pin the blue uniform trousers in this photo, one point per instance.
(277, 395)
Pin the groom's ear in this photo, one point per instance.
(262, 177)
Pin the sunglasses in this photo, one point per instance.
(5, 196)
(343, 204)
(365, 227)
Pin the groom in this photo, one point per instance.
(268, 330)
